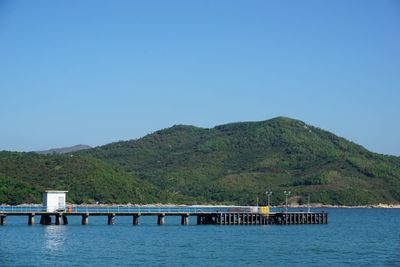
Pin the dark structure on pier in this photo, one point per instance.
(263, 219)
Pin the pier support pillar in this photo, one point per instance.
(58, 219)
(65, 219)
(85, 219)
(218, 219)
(111, 219)
(31, 219)
(136, 220)
(2, 219)
(45, 220)
(161, 219)
(198, 219)
(185, 219)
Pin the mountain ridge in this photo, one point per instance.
(64, 150)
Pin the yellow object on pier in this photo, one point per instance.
(264, 210)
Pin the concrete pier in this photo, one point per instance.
(185, 219)
(85, 219)
(111, 219)
(136, 219)
(58, 219)
(45, 220)
(161, 219)
(229, 216)
(65, 220)
(31, 219)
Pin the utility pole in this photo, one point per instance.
(287, 193)
(268, 195)
(308, 210)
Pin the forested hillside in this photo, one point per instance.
(240, 161)
(23, 176)
(233, 164)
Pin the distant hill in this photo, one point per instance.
(237, 162)
(64, 150)
(232, 163)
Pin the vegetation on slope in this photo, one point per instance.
(232, 163)
(23, 176)
(237, 162)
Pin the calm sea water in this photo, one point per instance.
(353, 237)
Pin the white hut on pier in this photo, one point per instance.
(54, 200)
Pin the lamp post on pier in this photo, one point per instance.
(287, 193)
(268, 196)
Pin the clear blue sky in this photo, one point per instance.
(94, 72)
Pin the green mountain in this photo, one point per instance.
(232, 163)
(235, 163)
(23, 176)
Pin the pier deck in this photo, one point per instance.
(204, 215)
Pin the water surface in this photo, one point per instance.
(353, 237)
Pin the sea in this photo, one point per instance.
(352, 237)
